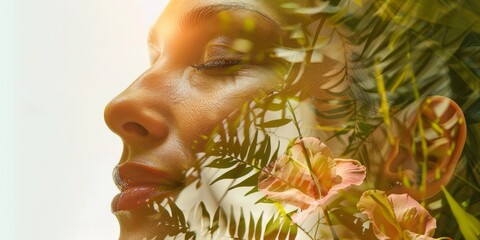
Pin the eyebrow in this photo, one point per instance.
(202, 14)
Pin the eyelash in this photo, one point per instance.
(217, 64)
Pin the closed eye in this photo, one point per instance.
(217, 64)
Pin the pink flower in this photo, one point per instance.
(290, 180)
(397, 216)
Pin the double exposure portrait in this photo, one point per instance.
(303, 119)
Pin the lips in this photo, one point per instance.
(135, 197)
(141, 184)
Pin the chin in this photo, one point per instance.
(144, 223)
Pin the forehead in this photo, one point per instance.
(178, 8)
(181, 19)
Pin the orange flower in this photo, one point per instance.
(397, 217)
(309, 177)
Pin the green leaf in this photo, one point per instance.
(343, 113)
(251, 226)
(262, 152)
(232, 226)
(275, 123)
(283, 231)
(272, 106)
(273, 158)
(205, 216)
(264, 200)
(241, 225)
(469, 225)
(244, 148)
(222, 163)
(253, 190)
(177, 213)
(253, 146)
(235, 147)
(273, 227)
(219, 218)
(340, 109)
(223, 136)
(215, 222)
(246, 126)
(189, 235)
(234, 173)
(249, 182)
(258, 228)
(293, 231)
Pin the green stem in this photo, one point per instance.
(304, 149)
(314, 177)
(329, 224)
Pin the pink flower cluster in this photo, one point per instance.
(309, 177)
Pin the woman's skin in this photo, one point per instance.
(172, 104)
(200, 74)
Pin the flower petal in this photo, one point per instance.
(349, 172)
(290, 196)
(300, 217)
(289, 179)
(321, 160)
(377, 206)
(407, 235)
(287, 182)
(411, 215)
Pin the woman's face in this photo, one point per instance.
(207, 59)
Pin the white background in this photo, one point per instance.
(61, 61)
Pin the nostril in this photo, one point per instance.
(133, 127)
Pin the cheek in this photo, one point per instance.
(208, 106)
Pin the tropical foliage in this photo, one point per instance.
(392, 53)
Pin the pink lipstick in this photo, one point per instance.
(141, 184)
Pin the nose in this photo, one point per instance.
(136, 117)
